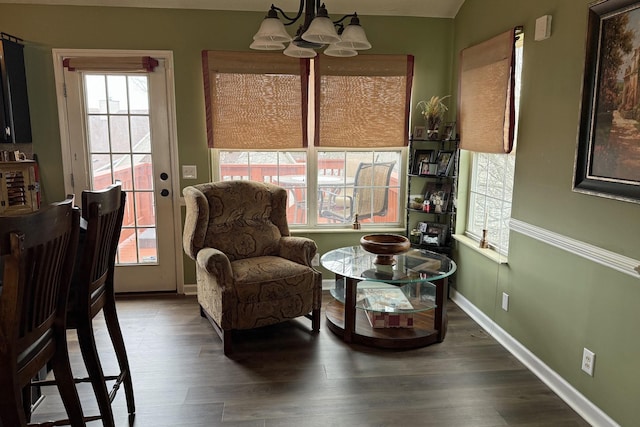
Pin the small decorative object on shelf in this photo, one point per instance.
(415, 237)
(448, 132)
(19, 187)
(356, 223)
(416, 202)
(433, 112)
(484, 242)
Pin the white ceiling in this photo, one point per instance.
(424, 8)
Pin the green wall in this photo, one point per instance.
(559, 303)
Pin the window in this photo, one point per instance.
(351, 168)
(331, 188)
(492, 179)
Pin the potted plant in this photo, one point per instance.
(433, 112)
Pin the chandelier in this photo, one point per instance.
(317, 31)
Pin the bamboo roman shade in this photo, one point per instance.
(487, 107)
(255, 101)
(114, 64)
(363, 101)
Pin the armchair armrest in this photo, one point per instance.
(298, 249)
(217, 264)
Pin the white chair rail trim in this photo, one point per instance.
(593, 253)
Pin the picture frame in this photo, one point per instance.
(604, 165)
(424, 168)
(420, 156)
(428, 168)
(438, 194)
(445, 162)
(436, 234)
(419, 132)
(422, 227)
(448, 131)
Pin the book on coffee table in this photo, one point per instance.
(384, 305)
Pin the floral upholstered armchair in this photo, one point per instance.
(250, 272)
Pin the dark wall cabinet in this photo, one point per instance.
(15, 123)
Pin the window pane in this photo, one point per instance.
(287, 169)
(233, 165)
(122, 170)
(140, 134)
(145, 209)
(127, 247)
(101, 170)
(98, 134)
(117, 89)
(147, 245)
(119, 126)
(96, 94)
(139, 94)
(365, 183)
(143, 172)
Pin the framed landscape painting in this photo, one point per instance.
(607, 160)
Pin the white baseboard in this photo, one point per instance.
(572, 397)
(190, 289)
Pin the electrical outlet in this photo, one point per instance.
(588, 360)
(505, 301)
(315, 261)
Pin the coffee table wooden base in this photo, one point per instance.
(422, 333)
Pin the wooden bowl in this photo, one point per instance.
(385, 246)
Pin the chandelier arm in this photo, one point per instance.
(288, 18)
(351, 15)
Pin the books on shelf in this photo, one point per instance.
(384, 305)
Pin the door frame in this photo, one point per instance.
(167, 56)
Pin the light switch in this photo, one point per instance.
(189, 172)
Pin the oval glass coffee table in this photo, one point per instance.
(391, 306)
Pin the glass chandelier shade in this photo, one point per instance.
(335, 50)
(317, 32)
(272, 30)
(266, 45)
(354, 37)
(299, 52)
(321, 30)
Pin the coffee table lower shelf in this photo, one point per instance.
(422, 333)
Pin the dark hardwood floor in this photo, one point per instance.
(284, 376)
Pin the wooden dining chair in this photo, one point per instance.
(38, 251)
(92, 292)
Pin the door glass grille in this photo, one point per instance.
(119, 147)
